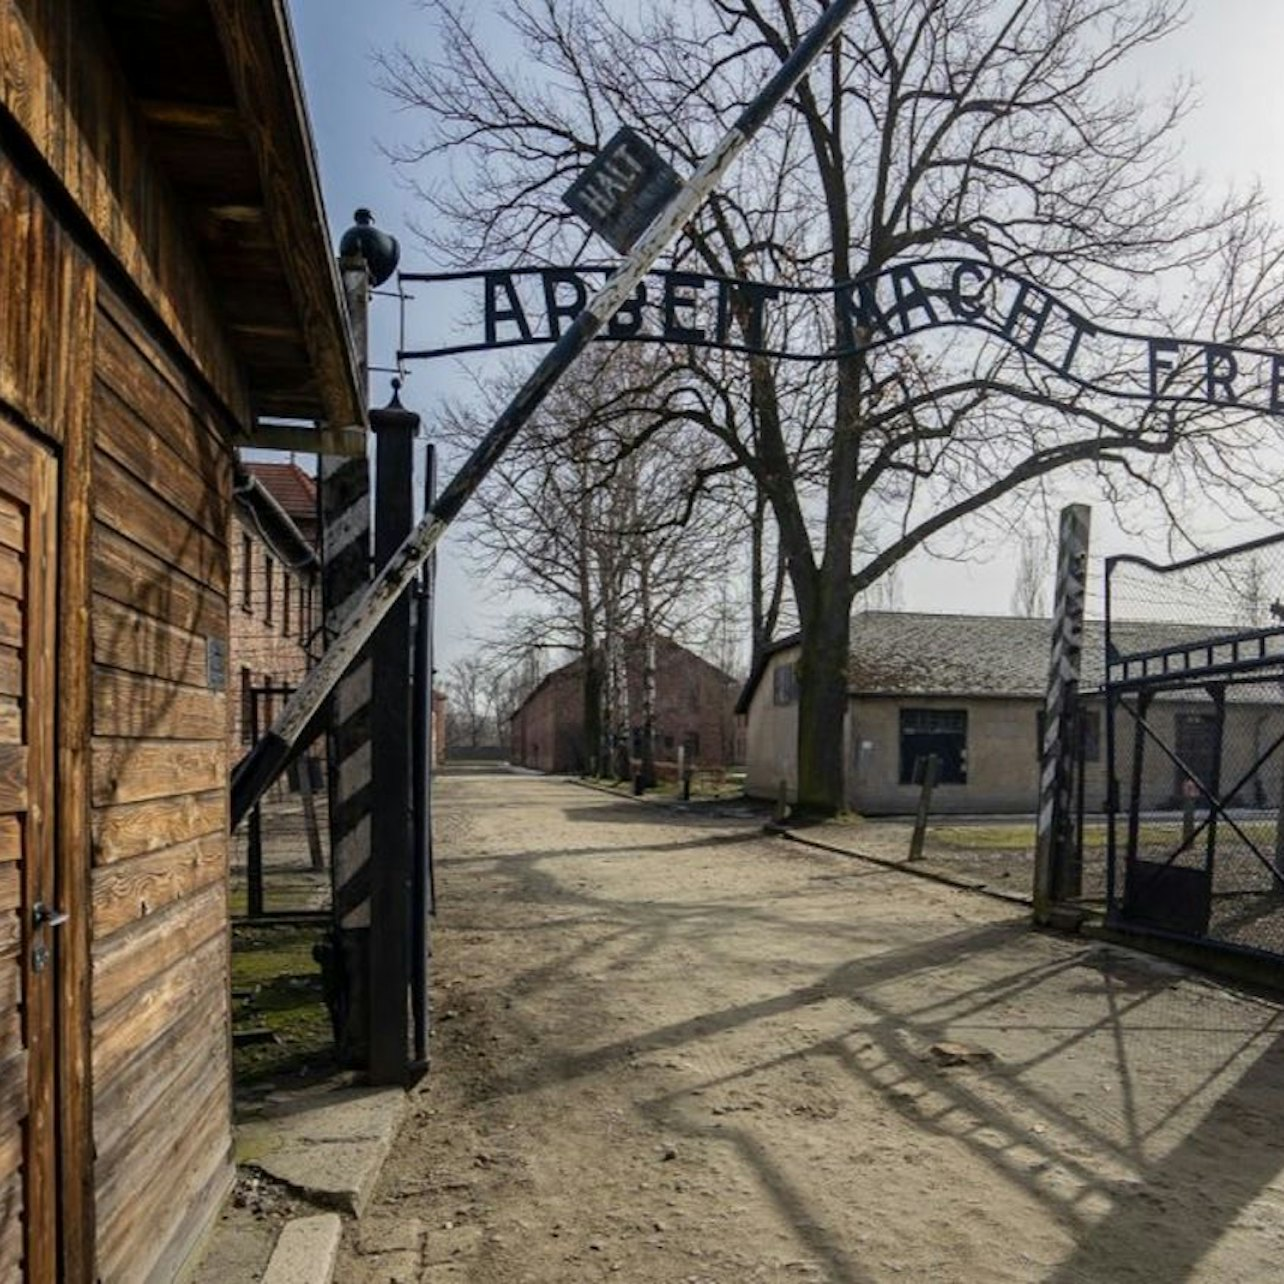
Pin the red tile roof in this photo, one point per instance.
(290, 486)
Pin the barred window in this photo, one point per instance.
(939, 732)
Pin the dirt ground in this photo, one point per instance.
(670, 1048)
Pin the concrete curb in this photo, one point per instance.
(306, 1251)
(320, 1147)
(917, 870)
(328, 1149)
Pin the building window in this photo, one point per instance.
(247, 711)
(784, 685)
(942, 732)
(269, 568)
(285, 603)
(247, 573)
(304, 596)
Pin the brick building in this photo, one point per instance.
(695, 710)
(275, 590)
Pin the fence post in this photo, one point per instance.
(254, 834)
(424, 898)
(931, 769)
(391, 864)
(1054, 878)
(303, 774)
(1279, 835)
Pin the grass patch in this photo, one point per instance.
(1019, 836)
(987, 838)
(276, 965)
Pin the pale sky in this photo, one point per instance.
(1232, 47)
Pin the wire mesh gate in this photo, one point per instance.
(1194, 719)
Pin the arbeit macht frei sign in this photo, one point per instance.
(514, 307)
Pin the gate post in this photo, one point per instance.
(391, 874)
(344, 496)
(1054, 880)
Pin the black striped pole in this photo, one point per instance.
(267, 759)
(344, 495)
(1056, 760)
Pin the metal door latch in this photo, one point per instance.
(43, 916)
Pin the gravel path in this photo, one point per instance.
(668, 1048)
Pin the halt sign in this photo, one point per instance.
(624, 188)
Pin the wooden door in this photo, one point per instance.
(28, 945)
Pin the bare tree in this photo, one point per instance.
(612, 515)
(994, 128)
(1028, 598)
(467, 720)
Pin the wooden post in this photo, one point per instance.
(1054, 846)
(345, 576)
(316, 857)
(391, 866)
(931, 769)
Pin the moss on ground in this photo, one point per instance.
(276, 966)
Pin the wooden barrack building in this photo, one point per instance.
(166, 284)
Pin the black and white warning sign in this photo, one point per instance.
(624, 188)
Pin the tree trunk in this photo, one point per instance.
(648, 673)
(591, 688)
(822, 707)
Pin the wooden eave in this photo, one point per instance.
(217, 85)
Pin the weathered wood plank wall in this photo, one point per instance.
(162, 491)
(133, 382)
(60, 85)
(46, 323)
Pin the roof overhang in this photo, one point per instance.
(217, 85)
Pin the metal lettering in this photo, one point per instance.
(1220, 371)
(673, 329)
(1160, 349)
(1022, 310)
(494, 282)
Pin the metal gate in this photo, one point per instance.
(281, 855)
(1194, 696)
